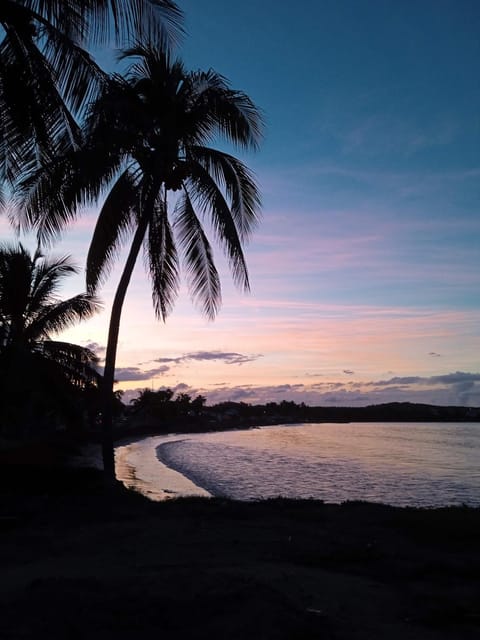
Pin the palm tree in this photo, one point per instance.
(46, 74)
(38, 374)
(147, 140)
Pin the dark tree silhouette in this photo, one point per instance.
(147, 137)
(198, 403)
(38, 374)
(46, 74)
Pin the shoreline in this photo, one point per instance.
(85, 454)
(161, 478)
(153, 478)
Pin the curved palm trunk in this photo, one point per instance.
(111, 354)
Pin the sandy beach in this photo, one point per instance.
(78, 563)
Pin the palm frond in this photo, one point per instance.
(220, 110)
(206, 194)
(76, 74)
(46, 279)
(58, 316)
(23, 118)
(114, 221)
(58, 350)
(117, 117)
(48, 199)
(35, 112)
(156, 20)
(202, 275)
(97, 21)
(70, 17)
(45, 70)
(162, 262)
(153, 62)
(77, 364)
(38, 376)
(237, 181)
(16, 268)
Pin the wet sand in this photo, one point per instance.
(78, 563)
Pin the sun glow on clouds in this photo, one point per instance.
(365, 268)
(326, 352)
(459, 388)
(289, 341)
(287, 320)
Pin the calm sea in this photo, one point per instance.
(406, 464)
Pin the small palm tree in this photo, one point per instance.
(46, 73)
(147, 140)
(38, 374)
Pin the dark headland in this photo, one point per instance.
(76, 562)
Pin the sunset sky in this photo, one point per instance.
(365, 270)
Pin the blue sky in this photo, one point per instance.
(365, 269)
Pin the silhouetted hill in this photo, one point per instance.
(397, 411)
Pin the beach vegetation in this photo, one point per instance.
(46, 383)
(162, 409)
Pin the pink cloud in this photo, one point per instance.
(458, 388)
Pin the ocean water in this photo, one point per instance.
(405, 464)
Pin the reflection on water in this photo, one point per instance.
(418, 464)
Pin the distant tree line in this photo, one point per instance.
(162, 404)
(161, 412)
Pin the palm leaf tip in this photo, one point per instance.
(202, 275)
(162, 262)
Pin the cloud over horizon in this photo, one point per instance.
(455, 389)
(228, 357)
(130, 374)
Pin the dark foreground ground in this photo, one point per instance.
(75, 563)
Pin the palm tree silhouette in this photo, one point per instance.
(32, 365)
(46, 73)
(147, 138)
